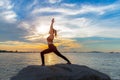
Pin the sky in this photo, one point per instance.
(82, 25)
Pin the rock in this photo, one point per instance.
(59, 72)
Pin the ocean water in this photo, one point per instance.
(12, 63)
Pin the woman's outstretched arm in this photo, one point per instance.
(51, 27)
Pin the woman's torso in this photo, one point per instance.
(50, 39)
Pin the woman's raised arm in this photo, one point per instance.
(51, 27)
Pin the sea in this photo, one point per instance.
(12, 63)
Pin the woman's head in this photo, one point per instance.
(53, 32)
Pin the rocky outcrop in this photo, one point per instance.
(59, 72)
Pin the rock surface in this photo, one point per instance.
(59, 72)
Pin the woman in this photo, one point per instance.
(51, 47)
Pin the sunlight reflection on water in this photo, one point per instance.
(52, 59)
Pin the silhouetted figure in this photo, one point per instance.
(51, 47)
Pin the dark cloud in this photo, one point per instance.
(10, 31)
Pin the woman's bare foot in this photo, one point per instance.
(69, 63)
(43, 65)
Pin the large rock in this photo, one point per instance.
(59, 72)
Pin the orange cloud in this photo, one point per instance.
(63, 44)
(67, 44)
(22, 46)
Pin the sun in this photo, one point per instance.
(42, 29)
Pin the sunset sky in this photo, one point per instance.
(82, 25)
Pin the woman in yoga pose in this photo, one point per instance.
(51, 47)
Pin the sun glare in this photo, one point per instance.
(42, 29)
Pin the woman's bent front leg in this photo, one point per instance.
(43, 57)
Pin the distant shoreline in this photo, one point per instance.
(5, 51)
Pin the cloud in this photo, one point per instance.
(36, 28)
(80, 26)
(7, 14)
(22, 46)
(32, 5)
(68, 5)
(1, 3)
(96, 9)
(9, 22)
(5, 4)
(9, 31)
(75, 10)
(96, 31)
(64, 44)
(54, 1)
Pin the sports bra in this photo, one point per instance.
(49, 40)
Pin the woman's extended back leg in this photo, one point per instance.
(60, 55)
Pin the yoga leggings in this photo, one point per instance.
(52, 48)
